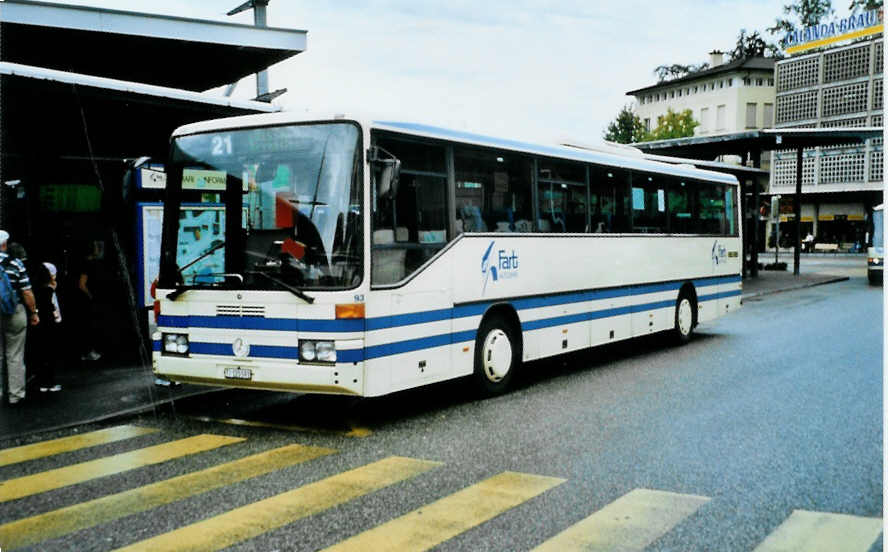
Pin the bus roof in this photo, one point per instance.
(428, 131)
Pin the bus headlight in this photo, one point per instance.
(311, 350)
(175, 344)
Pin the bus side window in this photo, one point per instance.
(682, 204)
(492, 191)
(562, 196)
(712, 209)
(648, 203)
(609, 190)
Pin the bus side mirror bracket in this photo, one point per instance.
(386, 170)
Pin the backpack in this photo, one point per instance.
(8, 297)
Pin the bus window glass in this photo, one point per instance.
(682, 205)
(492, 192)
(562, 197)
(609, 199)
(712, 209)
(648, 203)
(411, 226)
(730, 211)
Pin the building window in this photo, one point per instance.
(770, 82)
(747, 81)
(768, 115)
(704, 119)
(730, 83)
(647, 125)
(751, 115)
(793, 74)
(846, 64)
(720, 112)
(849, 98)
(679, 92)
(695, 90)
(759, 82)
(672, 93)
(721, 84)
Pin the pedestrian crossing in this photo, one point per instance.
(632, 522)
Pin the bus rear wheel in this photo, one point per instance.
(497, 355)
(684, 318)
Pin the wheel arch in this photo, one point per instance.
(508, 313)
(690, 290)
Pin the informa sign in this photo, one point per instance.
(193, 179)
(856, 25)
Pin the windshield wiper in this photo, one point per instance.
(295, 291)
(173, 295)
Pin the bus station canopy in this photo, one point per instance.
(61, 114)
(177, 52)
(740, 143)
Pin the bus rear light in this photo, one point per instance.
(350, 310)
(156, 309)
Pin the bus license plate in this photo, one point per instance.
(239, 373)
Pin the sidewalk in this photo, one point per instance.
(104, 389)
(775, 281)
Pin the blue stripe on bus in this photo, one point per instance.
(462, 311)
(259, 323)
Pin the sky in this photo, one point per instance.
(532, 69)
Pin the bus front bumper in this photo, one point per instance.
(272, 375)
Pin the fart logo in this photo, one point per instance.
(499, 266)
(719, 252)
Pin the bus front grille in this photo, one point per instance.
(240, 310)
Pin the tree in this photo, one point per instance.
(626, 128)
(753, 46)
(674, 125)
(676, 70)
(864, 5)
(807, 13)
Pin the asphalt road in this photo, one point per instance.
(773, 410)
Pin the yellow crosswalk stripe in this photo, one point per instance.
(820, 531)
(260, 517)
(94, 469)
(433, 524)
(629, 523)
(54, 524)
(68, 444)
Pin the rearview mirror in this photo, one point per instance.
(387, 171)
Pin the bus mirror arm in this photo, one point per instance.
(389, 168)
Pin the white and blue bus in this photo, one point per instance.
(365, 257)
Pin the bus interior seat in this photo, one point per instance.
(388, 264)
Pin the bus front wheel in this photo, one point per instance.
(684, 318)
(497, 355)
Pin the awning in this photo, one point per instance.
(738, 143)
(170, 51)
(56, 111)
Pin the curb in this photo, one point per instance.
(132, 411)
(830, 280)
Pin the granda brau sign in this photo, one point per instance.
(853, 26)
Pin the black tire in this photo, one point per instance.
(499, 343)
(684, 317)
(874, 278)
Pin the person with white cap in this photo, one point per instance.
(15, 325)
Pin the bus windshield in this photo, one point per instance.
(278, 206)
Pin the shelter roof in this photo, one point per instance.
(178, 52)
(738, 143)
